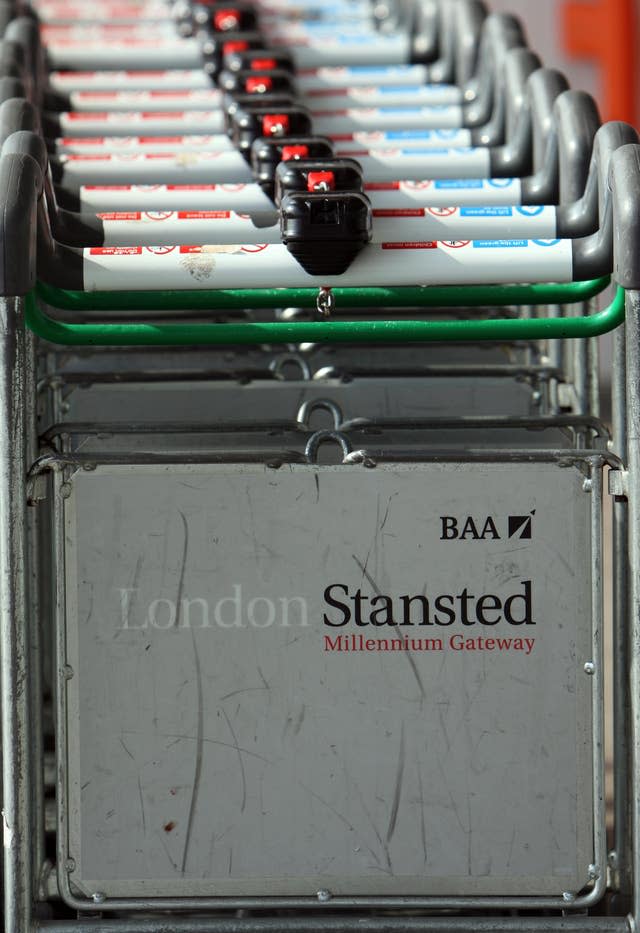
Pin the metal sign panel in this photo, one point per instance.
(262, 400)
(360, 681)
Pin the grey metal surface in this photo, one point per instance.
(283, 441)
(64, 362)
(348, 924)
(14, 636)
(621, 853)
(203, 759)
(632, 327)
(222, 401)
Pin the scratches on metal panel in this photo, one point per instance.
(166, 852)
(252, 519)
(264, 680)
(197, 770)
(386, 514)
(423, 825)
(235, 693)
(240, 760)
(183, 567)
(397, 791)
(511, 844)
(120, 739)
(407, 654)
(133, 590)
(180, 737)
(299, 721)
(142, 812)
(89, 615)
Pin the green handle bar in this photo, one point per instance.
(385, 331)
(423, 296)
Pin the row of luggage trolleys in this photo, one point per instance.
(302, 529)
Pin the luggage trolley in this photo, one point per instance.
(161, 467)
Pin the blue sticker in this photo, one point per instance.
(500, 244)
(459, 183)
(378, 69)
(547, 242)
(408, 134)
(399, 109)
(394, 90)
(500, 182)
(531, 210)
(424, 152)
(486, 212)
(447, 134)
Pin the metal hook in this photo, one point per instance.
(320, 404)
(326, 302)
(277, 366)
(321, 437)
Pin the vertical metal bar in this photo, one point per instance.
(621, 748)
(35, 618)
(14, 642)
(597, 608)
(633, 441)
(581, 368)
(593, 361)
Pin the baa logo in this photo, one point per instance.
(473, 528)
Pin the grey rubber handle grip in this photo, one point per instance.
(460, 29)
(516, 157)
(469, 19)
(20, 190)
(587, 213)
(423, 23)
(500, 34)
(16, 113)
(624, 183)
(12, 59)
(518, 66)
(556, 127)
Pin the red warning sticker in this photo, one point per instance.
(162, 115)
(120, 215)
(399, 212)
(432, 244)
(115, 251)
(383, 186)
(79, 116)
(87, 141)
(87, 157)
(191, 187)
(204, 215)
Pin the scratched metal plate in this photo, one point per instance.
(270, 400)
(238, 758)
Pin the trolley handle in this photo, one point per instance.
(624, 181)
(582, 216)
(470, 16)
(574, 122)
(500, 34)
(20, 194)
(12, 59)
(515, 157)
(24, 31)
